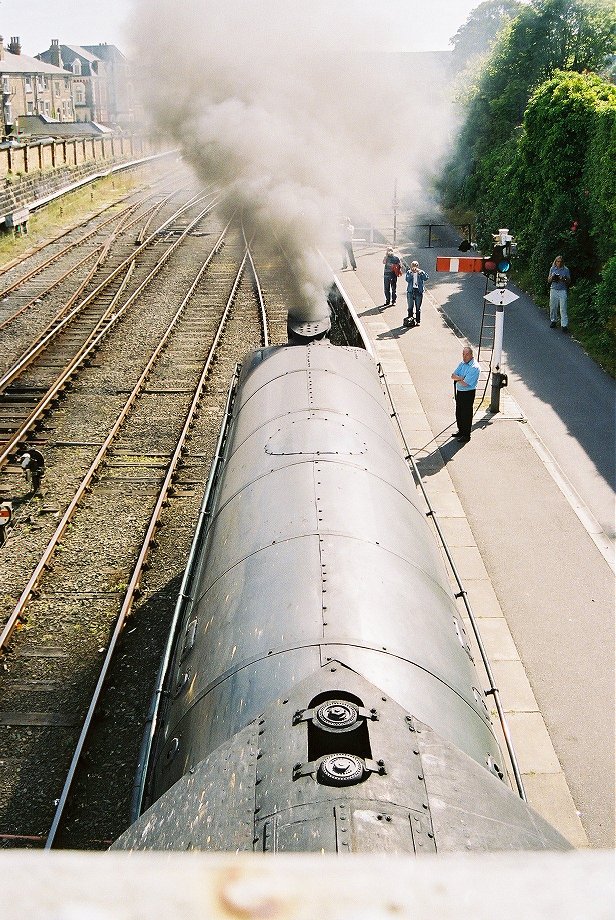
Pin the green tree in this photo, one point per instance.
(478, 33)
(537, 153)
(546, 36)
(561, 177)
(592, 310)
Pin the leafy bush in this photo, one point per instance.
(537, 152)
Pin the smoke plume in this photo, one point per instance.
(280, 103)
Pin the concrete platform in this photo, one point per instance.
(545, 781)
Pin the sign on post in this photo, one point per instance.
(501, 297)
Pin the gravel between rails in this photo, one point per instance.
(99, 810)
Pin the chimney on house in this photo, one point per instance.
(54, 53)
(1, 48)
(15, 45)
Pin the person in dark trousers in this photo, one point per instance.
(465, 377)
(33, 464)
(415, 281)
(347, 229)
(391, 273)
(559, 279)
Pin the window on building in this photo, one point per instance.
(77, 67)
(29, 108)
(57, 86)
(28, 83)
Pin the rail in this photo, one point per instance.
(15, 616)
(93, 341)
(183, 597)
(258, 291)
(463, 596)
(200, 530)
(135, 579)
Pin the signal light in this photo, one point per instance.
(499, 263)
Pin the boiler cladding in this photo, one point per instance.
(321, 693)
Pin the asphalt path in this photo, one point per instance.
(554, 585)
(566, 397)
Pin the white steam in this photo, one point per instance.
(272, 100)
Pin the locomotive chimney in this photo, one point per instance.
(302, 332)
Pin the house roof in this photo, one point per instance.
(21, 63)
(87, 54)
(106, 52)
(42, 125)
(68, 53)
(82, 52)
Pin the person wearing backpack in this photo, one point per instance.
(32, 463)
(391, 273)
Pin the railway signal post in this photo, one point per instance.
(499, 297)
(496, 267)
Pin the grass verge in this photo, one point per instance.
(64, 213)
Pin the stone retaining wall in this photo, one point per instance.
(33, 171)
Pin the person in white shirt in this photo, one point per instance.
(347, 230)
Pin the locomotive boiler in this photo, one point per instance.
(319, 692)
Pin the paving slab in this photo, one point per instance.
(548, 789)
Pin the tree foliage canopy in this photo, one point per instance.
(478, 33)
(537, 151)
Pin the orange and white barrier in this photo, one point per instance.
(459, 264)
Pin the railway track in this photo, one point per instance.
(35, 293)
(41, 373)
(93, 563)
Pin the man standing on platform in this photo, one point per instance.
(346, 234)
(466, 377)
(415, 282)
(391, 273)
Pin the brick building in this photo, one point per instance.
(32, 87)
(102, 84)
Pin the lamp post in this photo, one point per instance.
(395, 207)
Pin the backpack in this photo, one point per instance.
(36, 458)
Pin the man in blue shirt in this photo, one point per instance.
(466, 376)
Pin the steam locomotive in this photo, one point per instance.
(319, 692)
